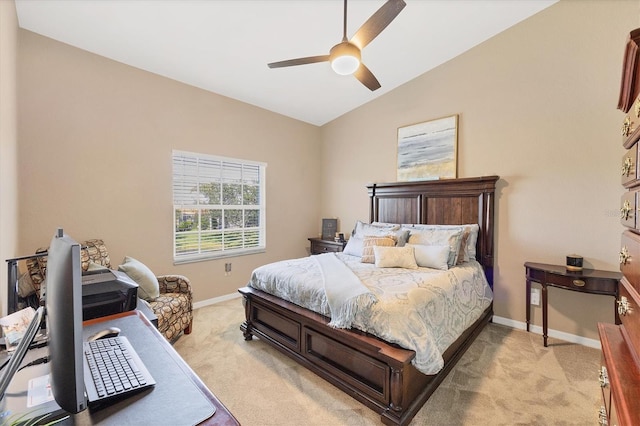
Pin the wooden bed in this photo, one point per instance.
(376, 373)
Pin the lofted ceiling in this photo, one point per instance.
(223, 46)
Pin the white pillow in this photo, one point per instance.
(395, 257)
(470, 248)
(148, 287)
(439, 237)
(374, 229)
(431, 256)
(353, 247)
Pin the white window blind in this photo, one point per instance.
(218, 206)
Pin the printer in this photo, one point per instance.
(107, 292)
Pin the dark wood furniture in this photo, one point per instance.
(592, 281)
(168, 355)
(376, 373)
(179, 395)
(620, 366)
(319, 246)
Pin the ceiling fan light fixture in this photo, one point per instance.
(345, 58)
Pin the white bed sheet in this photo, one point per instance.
(422, 309)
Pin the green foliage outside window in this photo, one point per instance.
(217, 206)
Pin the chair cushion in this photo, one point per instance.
(173, 312)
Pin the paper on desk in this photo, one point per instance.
(39, 391)
(15, 325)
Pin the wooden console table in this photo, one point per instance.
(592, 281)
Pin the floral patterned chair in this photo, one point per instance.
(173, 307)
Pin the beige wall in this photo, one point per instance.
(95, 158)
(8, 142)
(537, 106)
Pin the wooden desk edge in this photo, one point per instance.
(222, 416)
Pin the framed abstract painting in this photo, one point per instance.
(428, 150)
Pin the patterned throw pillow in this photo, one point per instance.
(368, 255)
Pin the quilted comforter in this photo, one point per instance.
(422, 309)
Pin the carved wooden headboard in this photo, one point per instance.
(443, 202)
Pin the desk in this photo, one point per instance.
(169, 370)
(586, 281)
(147, 312)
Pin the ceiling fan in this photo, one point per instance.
(345, 56)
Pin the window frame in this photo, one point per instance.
(197, 170)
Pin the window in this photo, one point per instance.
(218, 207)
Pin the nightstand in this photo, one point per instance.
(587, 281)
(319, 246)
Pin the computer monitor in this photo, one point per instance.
(64, 322)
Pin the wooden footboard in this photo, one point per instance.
(376, 373)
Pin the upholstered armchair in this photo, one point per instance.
(173, 306)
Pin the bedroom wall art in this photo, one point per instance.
(428, 150)
(329, 228)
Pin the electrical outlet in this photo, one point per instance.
(227, 269)
(535, 296)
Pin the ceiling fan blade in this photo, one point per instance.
(377, 22)
(299, 61)
(366, 77)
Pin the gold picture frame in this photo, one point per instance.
(428, 150)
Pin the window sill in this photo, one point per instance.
(223, 255)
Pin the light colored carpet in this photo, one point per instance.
(507, 377)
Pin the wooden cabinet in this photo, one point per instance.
(319, 246)
(620, 367)
(619, 378)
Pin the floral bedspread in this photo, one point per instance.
(422, 309)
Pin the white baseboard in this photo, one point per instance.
(567, 337)
(215, 300)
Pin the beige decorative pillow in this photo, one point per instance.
(395, 257)
(148, 286)
(471, 241)
(462, 252)
(368, 243)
